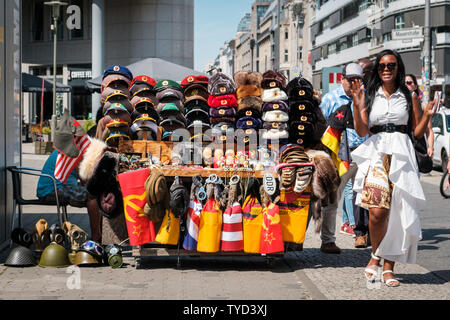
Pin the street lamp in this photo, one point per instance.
(55, 15)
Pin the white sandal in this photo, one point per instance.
(373, 270)
(388, 281)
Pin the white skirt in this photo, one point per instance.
(403, 231)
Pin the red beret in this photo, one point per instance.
(194, 80)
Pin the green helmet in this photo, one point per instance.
(85, 259)
(54, 256)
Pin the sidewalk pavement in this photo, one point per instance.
(304, 275)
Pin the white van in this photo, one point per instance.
(440, 122)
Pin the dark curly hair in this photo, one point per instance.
(375, 81)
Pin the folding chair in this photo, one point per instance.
(19, 201)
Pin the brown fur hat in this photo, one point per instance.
(250, 102)
(243, 78)
(248, 90)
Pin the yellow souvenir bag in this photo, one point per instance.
(210, 230)
(294, 208)
(169, 232)
(252, 220)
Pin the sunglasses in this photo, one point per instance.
(391, 66)
(409, 82)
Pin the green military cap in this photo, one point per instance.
(165, 84)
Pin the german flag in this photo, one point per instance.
(332, 140)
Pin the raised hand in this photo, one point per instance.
(357, 89)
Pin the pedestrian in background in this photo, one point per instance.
(330, 103)
(387, 181)
(411, 84)
(361, 215)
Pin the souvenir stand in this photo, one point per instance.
(245, 180)
(163, 150)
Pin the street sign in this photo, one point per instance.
(407, 33)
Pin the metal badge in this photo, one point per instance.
(223, 102)
(223, 89)
(301, 107)
(165, 83)
(276, 106)
(301, 127)
(272, 84)
(190, 79)
(248, 113)
(301, 93)
(270, 184)
(249, 122)
(303, 118)
(222, 111)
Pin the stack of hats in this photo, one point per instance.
(305, 116)
(116, 105)
(196, 109)
(275, 108)
(249, 93)
(144, 117)
(223, 102)
(170, 107)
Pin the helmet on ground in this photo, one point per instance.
(86, 259)
(54, 256)
(20, 256)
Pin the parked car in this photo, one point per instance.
(440, 122)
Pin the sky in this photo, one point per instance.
(215, 22)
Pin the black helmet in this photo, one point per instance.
(86, 259)
(54, 256)
(93, 248)
(20, 256)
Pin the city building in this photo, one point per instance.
(344, 31)
(265, 42)
(133, 31)
(224, 62)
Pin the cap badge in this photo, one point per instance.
(272, 84)
(300, 141)
(223, 102)
(144, 79)
(248, 131)
(116, 68)
(301, 107)
(223, 89)
(246, 139)
(276, 106)
(190, 79)
(224, 127)
(249, 122)
(223, 138)
(248, 113)
(274, 125)
(303, 118)
(222, 111)
(301, 127)
(165, 83)
(301, 93)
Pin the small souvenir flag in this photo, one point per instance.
(271, 235)
(332, 140)
(65, 164)
(192, 225)
(232, 237)
(141, 230)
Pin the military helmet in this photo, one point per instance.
(54, 256)
(84, 258)
(20, 256)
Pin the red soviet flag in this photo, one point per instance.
(271, 235)
(140, 229)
